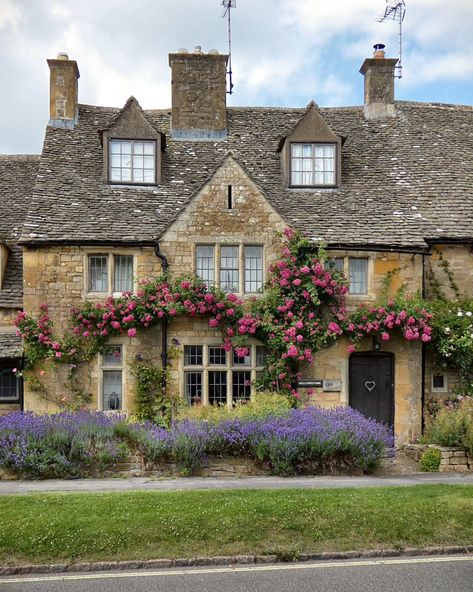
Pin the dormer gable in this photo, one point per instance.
(132, 148)
(311, 153)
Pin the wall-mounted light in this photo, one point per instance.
(376, 344)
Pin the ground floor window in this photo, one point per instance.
(10, 382)
(213, 376)
(112, 378)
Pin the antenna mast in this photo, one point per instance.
(228, 5)
(395, 11)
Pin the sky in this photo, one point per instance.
(285, 52)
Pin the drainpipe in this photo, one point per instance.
(424, 354)
(164, 326)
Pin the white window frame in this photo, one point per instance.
(436, 389)
(345, 269)
(242, 265)
(228, 368)
(132, 142)
(106, 367)
(111, 267)
(314, 160)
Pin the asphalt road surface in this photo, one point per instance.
(422, 574)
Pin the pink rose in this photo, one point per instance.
(132, 332)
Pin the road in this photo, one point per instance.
(421, 574)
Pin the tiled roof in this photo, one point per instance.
(10, 345)
(404, 179)
(17, 176)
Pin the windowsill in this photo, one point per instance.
(9, 401)
(131, 184)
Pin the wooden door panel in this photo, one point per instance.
(371, 386)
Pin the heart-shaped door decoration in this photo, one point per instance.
(370, 385)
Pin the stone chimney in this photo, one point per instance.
(199, 95)
(63, 87)
(379, 84)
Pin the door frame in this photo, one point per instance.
(376, 355)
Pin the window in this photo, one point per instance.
(439, 382)
(234, 268)
(132, 161)
(213, 376)
(229, 269)
(355, 269)
(313, 165)
(112, 378)
(10, 383)
(358, 276)
(110, 273)
(205, 267)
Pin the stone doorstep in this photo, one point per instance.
(234, 560)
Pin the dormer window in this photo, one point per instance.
(132, 161)
(132, 148)
(311, 154)
(313, 164)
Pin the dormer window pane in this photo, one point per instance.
(313, 164)
(133, 161)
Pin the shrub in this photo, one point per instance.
(430, 460)
(453, 425)
(262, 404)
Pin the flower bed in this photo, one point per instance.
(301, 441)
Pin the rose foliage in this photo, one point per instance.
(302, 310)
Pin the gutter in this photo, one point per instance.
(164, 322)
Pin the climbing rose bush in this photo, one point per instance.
(302, 310)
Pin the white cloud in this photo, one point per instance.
(286, 52)
(10, 14)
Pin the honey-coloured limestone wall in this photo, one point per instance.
(57, 276)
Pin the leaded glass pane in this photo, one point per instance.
(112, 355)
(217, 356)
(229, 269)
(241, 386)
(205, 263)
(253, 269)
(358, 276)
(313, 164)
(193, 355)
(123, 273)
(112, 389)
(242, 360)
(98, 273)
(193, 387)
(217, 388)
(128, 163)
(9, 390)
(261, 356)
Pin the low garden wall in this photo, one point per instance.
(451, 458)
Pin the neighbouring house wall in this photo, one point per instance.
(458, 260)
(57, 276)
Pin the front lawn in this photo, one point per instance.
(44, 528)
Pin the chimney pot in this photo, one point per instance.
(62, 56)
(198, 49)
(379, 51)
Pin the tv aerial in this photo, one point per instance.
(228, 5)
(395, 11)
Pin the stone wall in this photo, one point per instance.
(58, 276)
(452, 459)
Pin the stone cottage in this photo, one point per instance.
(204, 188)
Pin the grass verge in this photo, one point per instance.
(42, 528)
